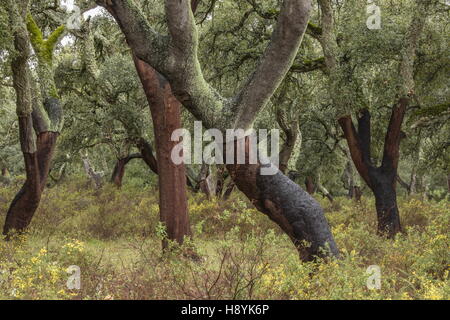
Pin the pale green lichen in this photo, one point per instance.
(43, 48)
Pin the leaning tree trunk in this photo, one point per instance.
(298, 214)
(166, 114)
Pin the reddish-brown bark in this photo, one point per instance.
(147, 154)
(166, 114)
(381, 180)
(37, 166)
(119, 169)
(309, 183)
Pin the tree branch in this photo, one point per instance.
(364, 134)
(392, 141)
(147, 44)
(354, 146)
(274, 64)
(309, 65)
(327, 39)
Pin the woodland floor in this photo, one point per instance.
(115, 238)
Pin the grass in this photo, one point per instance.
(114, 236)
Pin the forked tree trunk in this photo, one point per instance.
(381, 180)
(166, 114)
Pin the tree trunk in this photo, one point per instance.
(228, 191)
(95, 177)
(37, 166)
(61, 175)
(147, 154)
(297, 213)
(221, 175)
(166, 114)
(383, 187)
(293, 209)
(349, 179)
(293, 141)
(322, 189)
(403, 184)
(413, 183)
(37, 134)
(381, 180)
(309, 183)
(357, 193)
(4, 178)
(119, 169)
(325, 192)
(205, 181)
